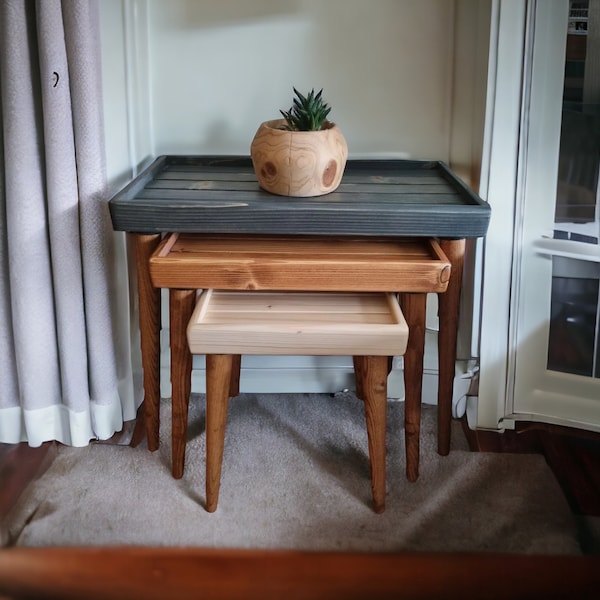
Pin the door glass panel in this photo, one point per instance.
(574, 331)
(574, 323)
(577, 214)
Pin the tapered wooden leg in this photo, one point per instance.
(358, 366)
(181, 304)
(218, 382)
(413, 308)
(449, 304)
(149, 318)
(374, 373)
(234, 386)
(139, 430)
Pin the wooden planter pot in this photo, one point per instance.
(298, 163)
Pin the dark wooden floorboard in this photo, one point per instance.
(573, 455)
(19, 466)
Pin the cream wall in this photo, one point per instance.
(126, 81)
(210, 72)
(219, 69)
(405, 78)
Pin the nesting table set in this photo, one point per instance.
(202, 222)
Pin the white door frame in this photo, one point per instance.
(521, 185)
(500, 187)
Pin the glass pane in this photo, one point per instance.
(573, 344)
(577, 214)
(574, 322)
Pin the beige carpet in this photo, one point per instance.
(296, 476)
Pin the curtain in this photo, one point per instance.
(64, 371)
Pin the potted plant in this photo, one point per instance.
(303, 154)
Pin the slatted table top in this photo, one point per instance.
(212, 194)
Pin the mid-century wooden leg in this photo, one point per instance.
(373, 376)
(181, 305)
(139, 429)
(234, 386)
(358, 375)
(218, 380)
(149, 318)
(449, 304)
(413, 308)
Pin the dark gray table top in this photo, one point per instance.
(220, 194)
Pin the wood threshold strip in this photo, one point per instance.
(153, 573)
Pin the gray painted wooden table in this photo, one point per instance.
(377, 199)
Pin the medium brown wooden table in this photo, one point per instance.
(187, 262)
(376, 201)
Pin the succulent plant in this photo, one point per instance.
(308, 113)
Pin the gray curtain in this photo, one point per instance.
(62, 373)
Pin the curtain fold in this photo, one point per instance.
(62, 375)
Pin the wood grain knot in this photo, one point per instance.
(445, 274)
(269, 170)
(329, 173)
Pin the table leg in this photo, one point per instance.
(149, 318)
(219, 370)
(373, 374)
(181, 306)
(449, 303)
(414, 309)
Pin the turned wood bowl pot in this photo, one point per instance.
(298, 163)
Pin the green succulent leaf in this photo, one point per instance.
(307, 113)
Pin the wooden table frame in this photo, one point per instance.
(183, 277)
(219, 195)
